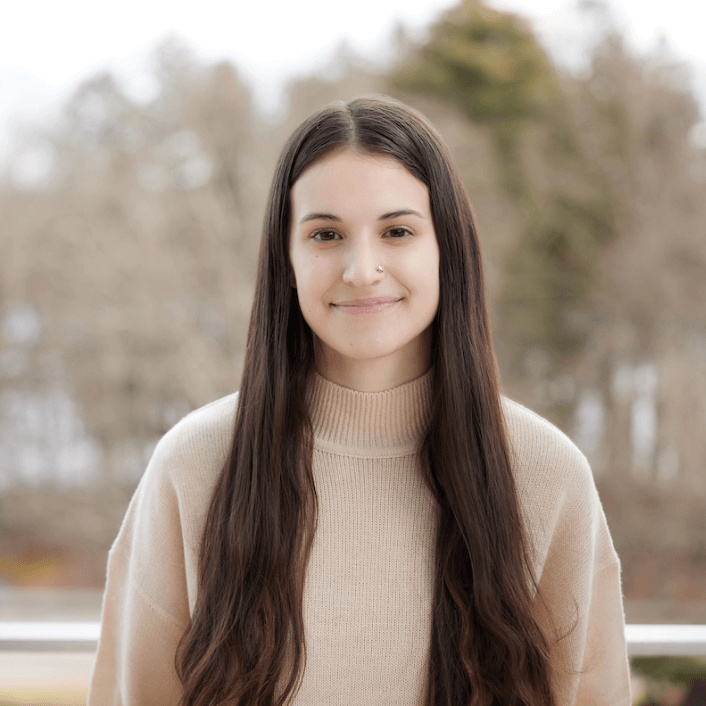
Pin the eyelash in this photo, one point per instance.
(402, 229)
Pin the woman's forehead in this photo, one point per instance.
(350, 180)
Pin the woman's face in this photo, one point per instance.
(353, 213)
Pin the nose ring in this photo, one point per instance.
(380, 270)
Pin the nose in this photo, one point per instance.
(361, 265)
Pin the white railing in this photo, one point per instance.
(45, 636)
(642, 640)
(666, 640)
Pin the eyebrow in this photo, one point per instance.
(320, 217)
(385, 216)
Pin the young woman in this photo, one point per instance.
(369, 522)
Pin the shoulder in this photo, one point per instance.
(195, 449)
(156, 550)
(165, 519)
(201, 429)
(556, 488)
(541, 450)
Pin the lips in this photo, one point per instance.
(367, 305)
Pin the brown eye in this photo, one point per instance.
(398, 233)
(325, 236)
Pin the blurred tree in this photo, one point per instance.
(141, 259)
(636, 117)
(138, 259)
(493, 70)
(490, 67)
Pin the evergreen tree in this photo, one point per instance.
(489, 66)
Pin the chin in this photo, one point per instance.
(367, 353)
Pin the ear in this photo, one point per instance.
(292, 280)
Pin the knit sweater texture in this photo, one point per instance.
(369, 582)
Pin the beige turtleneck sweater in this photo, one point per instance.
(368, 590)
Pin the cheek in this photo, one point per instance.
(308, 279)
(298, 269)
(426, 272)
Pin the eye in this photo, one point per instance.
(398, 233)
(325, 236)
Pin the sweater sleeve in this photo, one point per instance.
(151, 579)
(145, 607)
(582, 585)
(605, 677)
(577, 569)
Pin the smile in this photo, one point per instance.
(369, 305)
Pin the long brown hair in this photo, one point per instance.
(246, 642)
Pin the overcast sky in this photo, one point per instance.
(46, 49)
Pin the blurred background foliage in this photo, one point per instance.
(491, 69)
(670, 681)
(128, 237)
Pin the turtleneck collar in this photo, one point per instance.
(369, 424)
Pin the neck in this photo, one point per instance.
(375, 375)
(368, 424)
